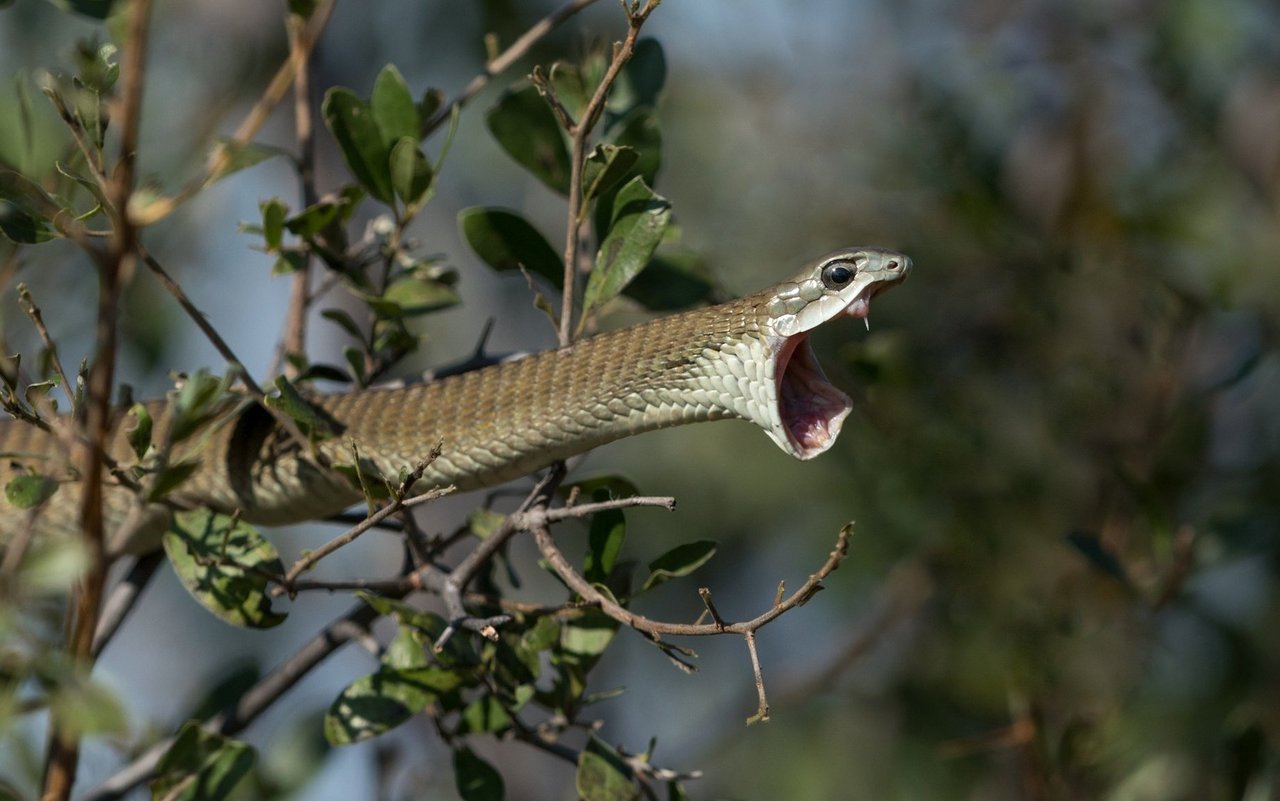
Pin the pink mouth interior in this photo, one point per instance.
(811, 409)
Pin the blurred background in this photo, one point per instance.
(1064, 461)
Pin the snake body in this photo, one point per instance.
(748, 358)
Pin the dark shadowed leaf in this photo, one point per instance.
(21, 226)
(673, 280)
(605, 168)
(477, 780)
(606, 534)
(640, 217)
(201, 766)
(679, 561)
(641, 79)
(506, 241)
(527, 129)
(410, 171)
(381, 701)
(356, 131)
(224, 566)
(603, 775)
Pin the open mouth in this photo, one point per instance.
(810, 408)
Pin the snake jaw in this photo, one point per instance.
(810, 410)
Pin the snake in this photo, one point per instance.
(748, 359)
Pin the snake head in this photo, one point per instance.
(808, 410)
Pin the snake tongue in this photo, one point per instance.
(810, 409)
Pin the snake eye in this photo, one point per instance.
(837, 275)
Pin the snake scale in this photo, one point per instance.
(748, 359)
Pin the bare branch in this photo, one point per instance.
(655, 629)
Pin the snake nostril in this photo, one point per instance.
(893, 264)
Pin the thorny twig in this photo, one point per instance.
(400, 500)
(655, 630)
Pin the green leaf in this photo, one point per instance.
(528, 131)
(607, 532)
(139, 434)
(484, 522)
(201, 766)
(273, 215)
(603, 775)
(394, 111)
(412, 297)
(604, 168)
(542, 637)
(29, 490)
(432, 100)
(224, 566)
(303, 8)
(506, 241)
(477, 780)
(240, 157)
(344, 321)
(291, 402)
(53, 564)
(410, 171)
(21, 226)
(359, 138)
(26, 209)
(172, 477)
(571, 87)
(406, 650)
(641, 79)
(485, 714)
(195, 402)
(640, 131)
(679, 561)
(588, 636)
(640, 217)
(81, 705)
(673, 280)
(457, 651)
(377, 703)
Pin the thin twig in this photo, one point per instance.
(453, 586)
(398, 502)
(504, 60)
(578, 134)
(762, 710)
(64, 742)
(29, 306)
(220, 344)
(295, 329)
(253, 121)
(253, 703)
(655, 628)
